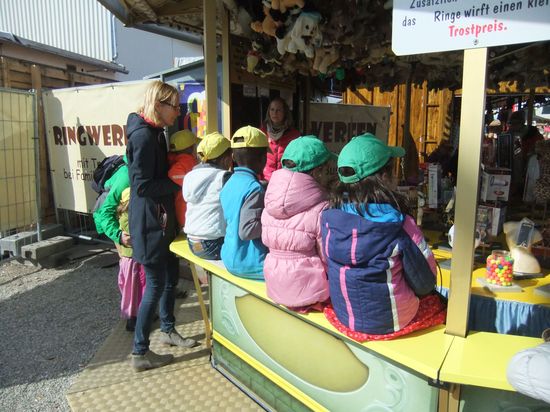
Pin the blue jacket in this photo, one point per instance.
(375, 269)
(242, 257)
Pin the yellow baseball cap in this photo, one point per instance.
(182, 140)
(249, 136)
(212, 146)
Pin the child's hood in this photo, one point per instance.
(199, 180)
(290, 193)
(364, 238)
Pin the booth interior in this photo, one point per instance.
(294, 361)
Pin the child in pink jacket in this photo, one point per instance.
(294, 268)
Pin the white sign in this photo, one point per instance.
(425, 26)
(336, 124)
(84, 125)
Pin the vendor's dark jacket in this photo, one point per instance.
(152, 217)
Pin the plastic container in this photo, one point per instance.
(500, 268)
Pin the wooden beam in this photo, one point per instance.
(471, 130)
(210, 69)
(177, 9)
(4, 63)
(226, 77)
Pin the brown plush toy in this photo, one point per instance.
(267, 26)
(284, 5)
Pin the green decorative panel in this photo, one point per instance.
(337, 375)
(477, 399)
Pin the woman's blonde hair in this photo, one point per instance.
(158, 92)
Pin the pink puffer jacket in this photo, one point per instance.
(294, 269)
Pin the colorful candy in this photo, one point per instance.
(500, 268)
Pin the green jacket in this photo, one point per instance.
(105, 218)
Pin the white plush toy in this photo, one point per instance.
(305, 35)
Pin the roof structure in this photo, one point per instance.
(349, 40)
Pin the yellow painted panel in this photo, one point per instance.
(481, 359)
(328, 363)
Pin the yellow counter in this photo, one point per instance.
(480, 359)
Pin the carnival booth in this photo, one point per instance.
(466, 172)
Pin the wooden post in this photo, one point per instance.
(4, 63)
(210, 66)
(36, 79)
(471, 129)
(226, 77)
(411, 153)
(306, 102)
(530, 104)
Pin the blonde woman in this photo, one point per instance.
(152, 220)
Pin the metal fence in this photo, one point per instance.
(19, 171)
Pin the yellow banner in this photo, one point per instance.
(84, 125)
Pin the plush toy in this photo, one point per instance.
(268, 26)
(266, 49)
(305, 35)
(324, 57)
(284, 5)
(252, 59)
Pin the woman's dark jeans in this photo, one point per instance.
(160, 289)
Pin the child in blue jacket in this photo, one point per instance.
(378, 261)
(242, 199)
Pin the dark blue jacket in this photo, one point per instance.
(151, 212)
(375, 269)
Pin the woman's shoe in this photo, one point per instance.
(150, 360)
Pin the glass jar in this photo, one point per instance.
(500, 268)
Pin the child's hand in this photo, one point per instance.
(125, 239)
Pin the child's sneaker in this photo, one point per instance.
(131, 324)
(150, 360)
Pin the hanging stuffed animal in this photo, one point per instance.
(324, 57)
(285, 5)
(268, 26)
(252, 59)
(305, 35)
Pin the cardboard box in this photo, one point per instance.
(434, 180)
(489, 221)
(495, 184)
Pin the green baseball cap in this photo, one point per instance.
(307, 152)
(365, 154)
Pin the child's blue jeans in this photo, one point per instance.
(206, 249)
